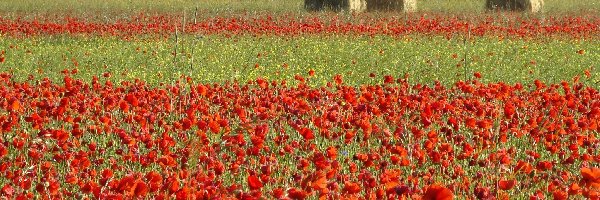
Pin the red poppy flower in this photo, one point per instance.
(351, 188)
(482, 192)
(140, 189)
(278, 193)
(544, 166)
(436, 192)
(8, 190)
(574, 189)
(591, 176)
(15, 105)
(254, 183)
(307, 133)
(506, 184)
(524, 167)
(332, 153)
(173, 185)
(560, 195)
(295, 193)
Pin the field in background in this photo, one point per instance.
(218, 59)
(114, 8)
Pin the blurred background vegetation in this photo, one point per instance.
(132, 7)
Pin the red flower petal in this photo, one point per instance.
(506, 185)
(436, 192)
(254, 183)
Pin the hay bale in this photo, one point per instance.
(314, 5)
(336, 5)
(392, 5)
(515, 5)
(357, 5)
(350, 5)
(536, 5)
(410, 6)
(361, 5)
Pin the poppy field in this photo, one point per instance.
(276, 103)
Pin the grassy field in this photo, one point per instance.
(218, 59)
(129, 7)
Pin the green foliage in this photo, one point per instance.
(243, 58)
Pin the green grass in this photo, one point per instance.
(219, 59)
(111, 8)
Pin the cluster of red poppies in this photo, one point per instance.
(281, 140)
(514, 26)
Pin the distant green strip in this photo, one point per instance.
(219, 59)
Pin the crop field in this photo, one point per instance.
(261, 99)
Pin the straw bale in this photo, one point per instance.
(515, 5)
